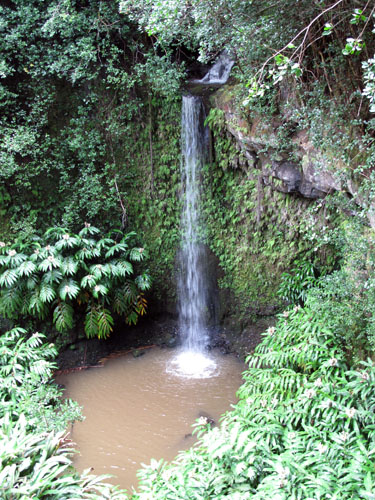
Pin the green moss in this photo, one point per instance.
(254, 230)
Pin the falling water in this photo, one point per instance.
(192, 284)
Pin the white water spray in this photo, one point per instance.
(193, 362)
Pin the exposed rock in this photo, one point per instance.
(289, 173)
(315, 173)
(257, 137)
(136, 353)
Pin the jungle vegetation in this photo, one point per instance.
(89, 95)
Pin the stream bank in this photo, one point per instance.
(163, 332)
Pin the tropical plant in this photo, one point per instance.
(26, 368)
(64, 272)
(295, 283)
(40, 466)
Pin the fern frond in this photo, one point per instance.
(137, 254)
(10, 301)
(47, 293)
(84, 253)
(53, 276)
(118, 248)
(36, 305)
(105, 243)
(32, 282)
(8, 278)
(92, 322)
(88, 229)
(55, 232)
(99, 289)
(132, 318)
(141, 307)
(69, 266)
(68, 288)
(26, 268)
(88, 281)
(105, 323)
(63, 316)
(16, 259)
(122, 268)
(97, 271)
(143, 281)
(67, 241)
(49, 263)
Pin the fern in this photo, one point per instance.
(36, 306)
(123, 268)
(88, 281)
(63, 316)
(84, 254)
(68, 288)
(49, 263)
(92, 322)
(141, 306)
(47, 293)
(52, 277)
(98, 290)
(88, 230)
(69, 266)
(143, 281)
(118, 248)
(26, 268)
(16, 259)
(8, 278)
(120, 304)
(104, 243)
(137, 254)
(90, 274)
(10, 301)
(105, 323)
(67, 241)
(55, 232)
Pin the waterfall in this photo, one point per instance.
(193, 361)
(192, 283)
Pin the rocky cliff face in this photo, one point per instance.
(308, 175)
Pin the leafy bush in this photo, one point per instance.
(295, 283)
(38, 466)
(65, 272)
(26, 370)
(302, 429)
(346, 297)
(35, 459)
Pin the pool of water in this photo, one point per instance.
(141, 408)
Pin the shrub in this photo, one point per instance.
(63, 273)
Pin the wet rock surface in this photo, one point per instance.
(232, 338)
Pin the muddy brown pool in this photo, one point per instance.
(137, 408)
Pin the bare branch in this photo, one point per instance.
(304, 30)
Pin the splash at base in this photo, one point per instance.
(193, 364)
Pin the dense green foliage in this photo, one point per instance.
(73, 86)
(63, 273)
(270, 40)
(90, 132)
(35, 453)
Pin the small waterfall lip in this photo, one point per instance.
(218, 74)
